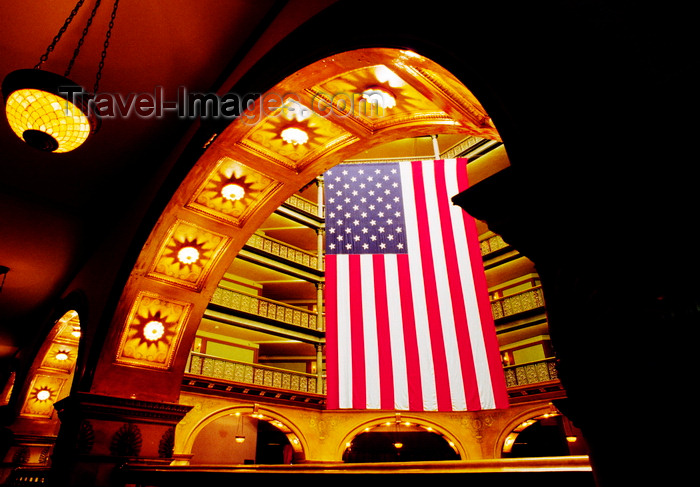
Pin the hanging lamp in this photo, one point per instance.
(240, 437)
(48, 111)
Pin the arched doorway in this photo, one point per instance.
(544, 435)
(400, 439)
(245, 436)
(398, 443)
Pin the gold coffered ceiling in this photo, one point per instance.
(266, 138)
(54, 368)
(345, 91)
(212, 200)
(326, 101)
(249, 169)
(152, 331)
(187, 254)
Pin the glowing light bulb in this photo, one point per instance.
(43, 395)
(379, 97)
(153, 330)
(293, 135)
(46, 121)
(233, 192)
(61, 356)
(188, 255)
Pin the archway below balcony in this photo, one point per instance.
(244, 435)
(541, 432)
(400, 438)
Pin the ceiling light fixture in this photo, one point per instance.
(240, 437)
(293, 110)
(398, 444)
(62, 356)
(188, 255)
(43, 395)
(233, 192)
(49, 111)
(379, 96)
(153, 330)
(294, 135)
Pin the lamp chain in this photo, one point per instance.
(67, 22)
(58, 36)
(98, 76)
(82, 38)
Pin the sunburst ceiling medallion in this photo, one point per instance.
(232, 192)
(152, 331)
(187, 255)
(293, 135)
(43, 392)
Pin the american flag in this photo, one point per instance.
(408, 319)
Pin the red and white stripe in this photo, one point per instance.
(415, 331)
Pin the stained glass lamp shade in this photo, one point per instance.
(47, 111)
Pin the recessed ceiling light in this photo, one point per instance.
(188, 255)
(43, 395)
(61, 356)
(233, 192)
(294, 135)
(380, 97)
(153, 330)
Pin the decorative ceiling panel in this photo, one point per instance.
(187, 255)
(267, 138)
(60, 357)
(69, 329)
(152, 331)
(232, 192)
(346, 94)
(461, 103)
(44, 391)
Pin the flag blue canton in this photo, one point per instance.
(364, 209)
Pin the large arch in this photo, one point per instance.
(171, 296)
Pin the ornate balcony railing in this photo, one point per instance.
(266, 308)
(527, 300)
(302, 204)
(254, 374)
(282, 379)
(276, 248)
(492, 244)
(531, 373)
